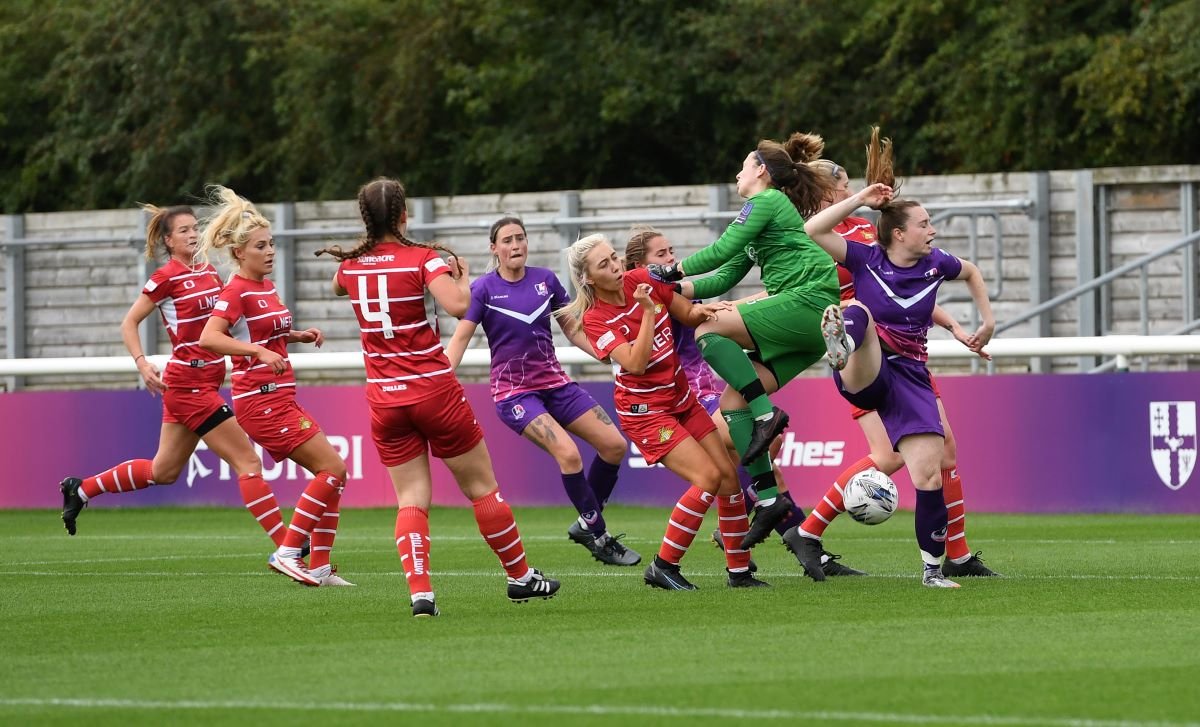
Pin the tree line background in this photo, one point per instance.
(109, 102)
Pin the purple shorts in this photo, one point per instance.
(710, 401)
(903, 395)
(564, 403)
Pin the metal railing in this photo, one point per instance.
(1141, 265)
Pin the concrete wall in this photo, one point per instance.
(77, 294)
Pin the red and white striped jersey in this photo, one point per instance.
(663, 387)
(257, 315)
(853, 229)
(185, 297)
(404, 358)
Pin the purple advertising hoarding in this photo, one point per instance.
(1027, 444)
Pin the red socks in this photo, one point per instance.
(498, 528)
(261, 503)
(733, 524)
(321, 542)
(685, 522)
(412, 542)
(134, 474)
(956, 514)
(314, 501)
(832, 505)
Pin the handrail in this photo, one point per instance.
(665, 218)
(1124, 346)
(1098, 282)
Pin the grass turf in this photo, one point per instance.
(170, 616)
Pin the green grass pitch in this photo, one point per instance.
(170, 616)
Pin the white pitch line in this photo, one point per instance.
(605, 574)
(633, 710)
(554, 538)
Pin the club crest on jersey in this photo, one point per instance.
(752, 254)
(541, 289)
(518, 412)
(741, 218)
(930, 274)
(1173, 441)
(657, 308)
(665, 434)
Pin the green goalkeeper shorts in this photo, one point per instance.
(786, 329)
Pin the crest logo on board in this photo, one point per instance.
(1173, 441)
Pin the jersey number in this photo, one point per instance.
(383, 315)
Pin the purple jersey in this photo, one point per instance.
(516, 318)
(700, 377)
(900, 299)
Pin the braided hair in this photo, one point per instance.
(381, 204)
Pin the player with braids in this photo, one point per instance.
(959, 559)
(251, 325)
(534, 396)
(417, 405)
(183, 291)
(625, 317)
(781, 329)
(877, 345)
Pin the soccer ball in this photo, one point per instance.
(870, 497)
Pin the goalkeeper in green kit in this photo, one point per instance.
(782, 329)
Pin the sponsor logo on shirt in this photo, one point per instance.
(541, 289)
(221, 305)
(741, 218)
(394, 387)
(151, 285)
(435, 263)
(368, 259)
(606, 339)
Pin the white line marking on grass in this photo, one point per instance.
(631, 574)
(635, 710)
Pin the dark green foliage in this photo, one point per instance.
(110, 102)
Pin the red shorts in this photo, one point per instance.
(278, 423)
(190, 407)
(856, 413)
(444, 423)
(655, 435)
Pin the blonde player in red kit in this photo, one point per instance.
(626, 316)
(184, 291)
(251, 324)
(417, 405)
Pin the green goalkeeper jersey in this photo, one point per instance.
(770, 232)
